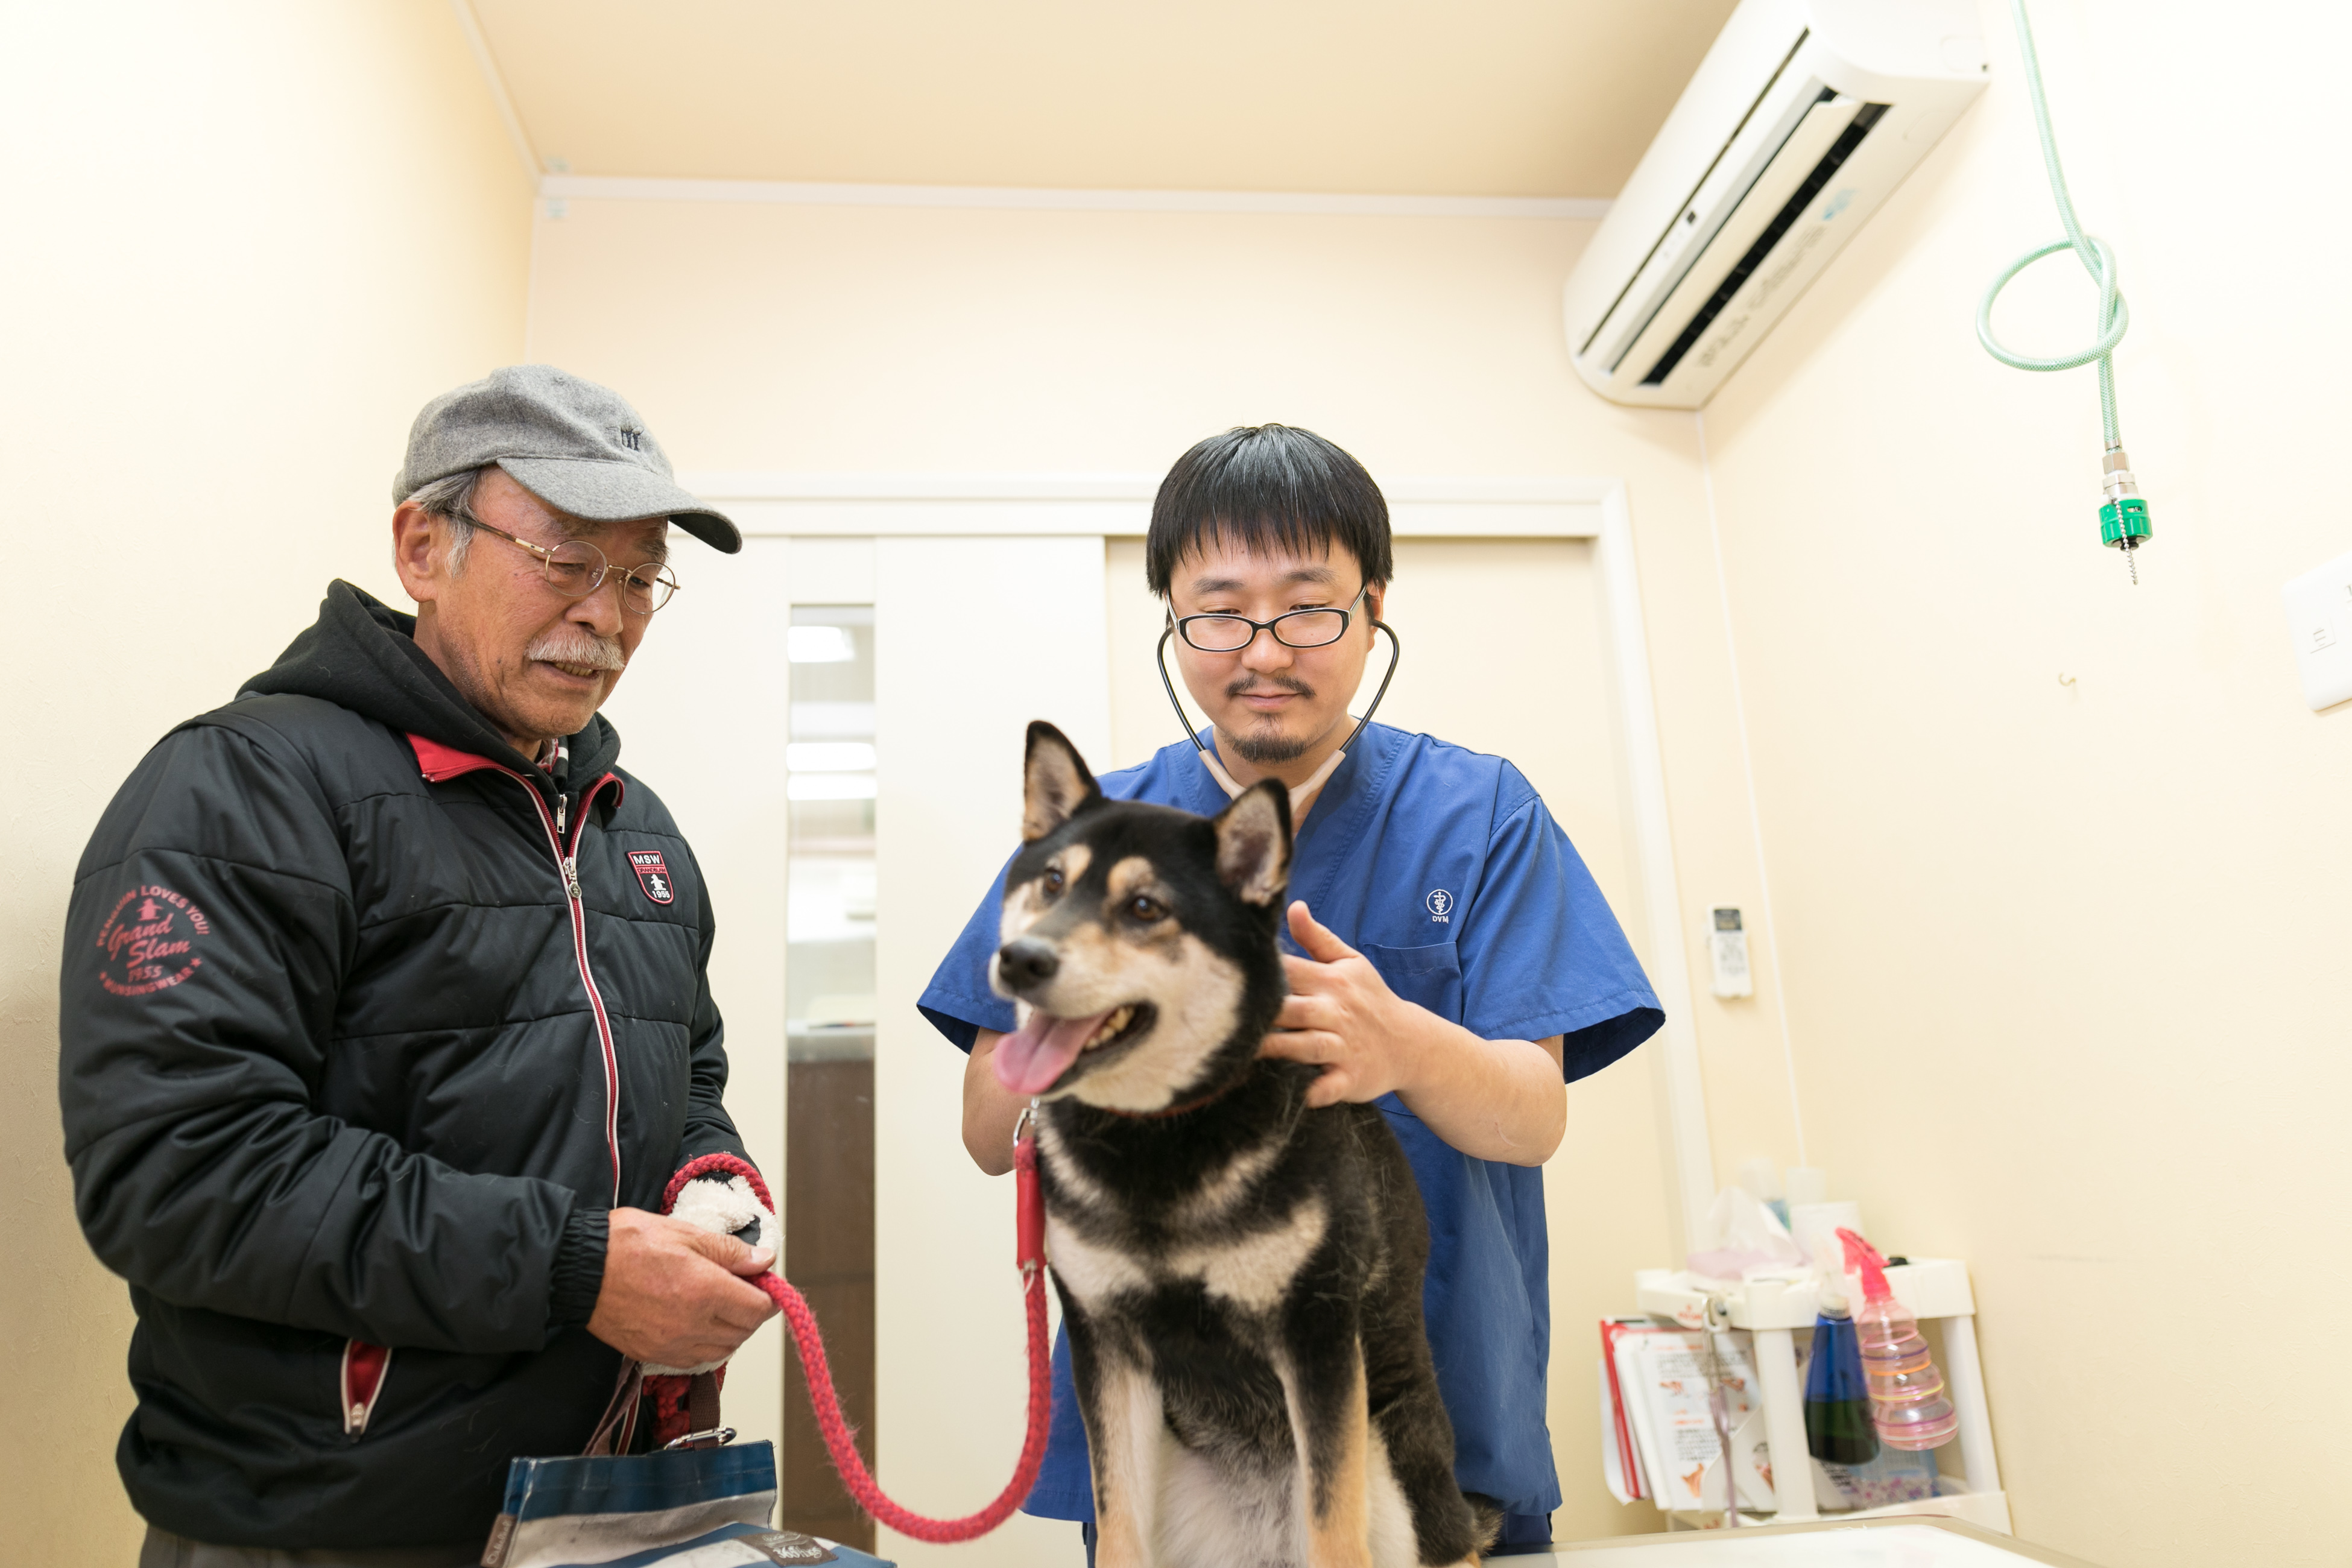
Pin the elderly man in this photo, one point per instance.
(385, 1024)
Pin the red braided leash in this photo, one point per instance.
(826, 1405)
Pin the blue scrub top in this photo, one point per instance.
(1443, 867)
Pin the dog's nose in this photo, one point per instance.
(1027, 962)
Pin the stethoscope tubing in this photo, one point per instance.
(1160, 660)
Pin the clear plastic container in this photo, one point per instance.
(1906, 1390)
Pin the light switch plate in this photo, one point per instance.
(2319, 617)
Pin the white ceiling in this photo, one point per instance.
(1496, 97)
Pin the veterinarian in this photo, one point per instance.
(1453, 960)
(371, 1090)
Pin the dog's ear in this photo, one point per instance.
(1254, 843)
(1054, 782)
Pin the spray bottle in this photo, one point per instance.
(1907, 1392)
(1837, 1400)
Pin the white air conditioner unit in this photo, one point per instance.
(1802, 118)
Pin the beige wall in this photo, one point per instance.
(246, 241)
(766, 337)
(2066, 960)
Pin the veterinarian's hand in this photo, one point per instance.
(671, 1294)
(1342, 1016)
(1495, 1099)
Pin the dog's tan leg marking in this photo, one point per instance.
(1126, 1458)
(1338, 1532)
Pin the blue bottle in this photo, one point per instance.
(1838, 1428)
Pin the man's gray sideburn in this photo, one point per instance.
(451, 499)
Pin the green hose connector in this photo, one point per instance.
(2123, 520)
(2123, 523)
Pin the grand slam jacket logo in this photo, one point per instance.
(150, 940)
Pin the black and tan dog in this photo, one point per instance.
(1241, 1276)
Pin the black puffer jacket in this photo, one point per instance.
(348, 1062)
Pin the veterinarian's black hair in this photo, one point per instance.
(1267, 487)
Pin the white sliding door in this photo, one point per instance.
(1506, 651)
(974, 637)
(702, 718)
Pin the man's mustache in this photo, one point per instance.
(1249, 683)
(577, 645)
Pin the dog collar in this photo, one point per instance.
(1184, 1110)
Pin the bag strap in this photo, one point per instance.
(702, 1408)
(618, 1425)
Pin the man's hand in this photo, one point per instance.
(1493, 1099)
(671, 1295)
(1342, 1016)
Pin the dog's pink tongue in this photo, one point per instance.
(1030, 1058)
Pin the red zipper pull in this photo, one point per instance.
(1029, 1198)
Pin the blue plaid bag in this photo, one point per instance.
(702, 1503)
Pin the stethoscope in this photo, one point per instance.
(1304, 791)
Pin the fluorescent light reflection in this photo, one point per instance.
(829, 757)
(819, 645)
(829, 786)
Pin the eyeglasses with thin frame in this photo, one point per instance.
(576, 569)
(1292, 628)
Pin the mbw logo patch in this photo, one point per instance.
(653, 876)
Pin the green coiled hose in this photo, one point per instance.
(2123, 519)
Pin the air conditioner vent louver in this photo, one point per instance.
(1802, 118)
(1687, 208)
(1774, 232)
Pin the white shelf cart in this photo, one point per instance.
(1774, 1310)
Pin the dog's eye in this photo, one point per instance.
(1143, 907)
(1053, 880)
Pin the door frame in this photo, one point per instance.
(1118, 505)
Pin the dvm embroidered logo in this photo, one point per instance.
(652, 875)
(149, 940)
(1440, 903)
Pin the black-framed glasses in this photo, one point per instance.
(1292, 628)
(576, 569)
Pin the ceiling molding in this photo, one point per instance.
(596, 188)
(1117, 505)
(492, 78)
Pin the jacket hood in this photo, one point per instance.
(361, 654)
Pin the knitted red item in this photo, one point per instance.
(810, 1343)
(667, 1390)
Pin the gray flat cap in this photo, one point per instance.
(576, 446)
